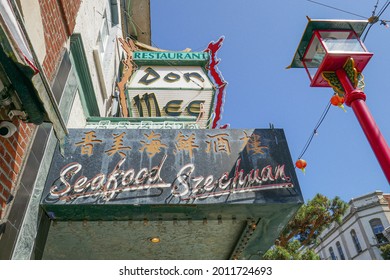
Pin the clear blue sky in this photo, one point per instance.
(261, 38)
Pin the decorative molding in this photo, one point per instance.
(220, 82)
(99, 68)
(87, 92)
(129, 47)
(107, 124)
(333, 81)
(356, 79)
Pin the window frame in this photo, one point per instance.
(103, 36)
(332, 254)
(377, 226)
(356, 241)
(340, 250)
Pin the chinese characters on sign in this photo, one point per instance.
(152, 145)
(184, 142)
(117, 146)
(87, 143)
(218, 143)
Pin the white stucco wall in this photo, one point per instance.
(89, 23)
(367, 209)
(33, 22)
(77, 117)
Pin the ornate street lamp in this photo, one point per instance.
(334, 56)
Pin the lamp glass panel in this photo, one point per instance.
(314, 56)
(342, 42)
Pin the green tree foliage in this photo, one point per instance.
(308, 223)
(385, 249)
(293, 251)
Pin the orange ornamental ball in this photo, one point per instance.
(337, 100)
(301, 163)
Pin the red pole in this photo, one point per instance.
(355, 98)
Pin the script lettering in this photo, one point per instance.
(187, 185)
(103, 186)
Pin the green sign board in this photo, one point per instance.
(171, 58)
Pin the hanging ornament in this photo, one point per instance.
(338, 101)
(301, 164)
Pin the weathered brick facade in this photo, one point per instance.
(58, 18)
(12, 155)
(387, 197)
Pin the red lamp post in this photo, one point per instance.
(334, 56)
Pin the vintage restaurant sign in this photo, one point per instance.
(163, 91)
(171, 91)
(180, 167)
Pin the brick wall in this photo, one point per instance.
(12, 156)
(387, 197)
(69, 11)
(59, 19)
